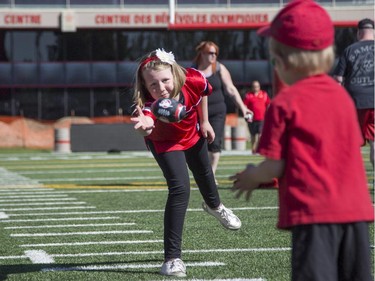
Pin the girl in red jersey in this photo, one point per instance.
(174, 145)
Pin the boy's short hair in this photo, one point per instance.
(304, 61)
(302, 24)
(366, 24)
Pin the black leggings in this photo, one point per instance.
(173, 165)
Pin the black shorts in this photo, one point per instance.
(331, 252)
(255, 127)
(217, 122)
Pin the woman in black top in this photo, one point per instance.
(221, 81)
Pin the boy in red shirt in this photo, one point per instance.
(311, 141)
(257, 101)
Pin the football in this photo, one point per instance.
(168, 110)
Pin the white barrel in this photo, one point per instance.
(227, 137)
(239, 137)
(62, 140)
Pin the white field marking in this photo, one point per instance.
(43, 204)
(231, 279)
(13, 189)
(93, 171)
(62, 219)
(203, 251)
(101, 179)
(110, 170)
(136, 211)
(10, 178)
(39, 199)
(51, 234)
(31, 192)
(36, 196)
(12, 257)
(3, 215)
(128, 266)
(92, 243)
(47, 208)
(70, 225)
(39, 256)
(87, 191)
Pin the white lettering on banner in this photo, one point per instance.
(22, 19)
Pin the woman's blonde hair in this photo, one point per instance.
(304, 61)
(204, 47)
(151, 61)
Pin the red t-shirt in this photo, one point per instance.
(257, 104)
(312, 125)
(184, 134)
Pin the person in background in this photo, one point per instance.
(221, 81)
(355, 71)
(177, 146)
(311, 141)
(257, 101)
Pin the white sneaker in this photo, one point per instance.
(174, 267)
(224, 215)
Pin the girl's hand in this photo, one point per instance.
(143, 124)
(207, 131)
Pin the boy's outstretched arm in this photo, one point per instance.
(250, 178)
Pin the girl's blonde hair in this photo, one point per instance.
(304, 61)
(204, 47)
(151, 61)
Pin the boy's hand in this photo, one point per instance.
(244, 183)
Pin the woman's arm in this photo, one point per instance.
(232, 90)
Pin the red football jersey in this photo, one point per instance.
(312, 126)
(184, 134)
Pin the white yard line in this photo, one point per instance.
(92, 243)
(39, 257)
(3, 216)
(70, 225)
(39, 199)
(201, 251)
(136, 211)
(43, 204)
(35, 196)
(47, 208)
(231, 279)
(52, 234)
(128, 266)
(59, 219)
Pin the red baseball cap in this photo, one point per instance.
(301, 24)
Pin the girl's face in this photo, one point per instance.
(159, 83)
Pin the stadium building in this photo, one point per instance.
(77, 57)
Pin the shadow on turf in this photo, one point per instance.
(5, 270)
